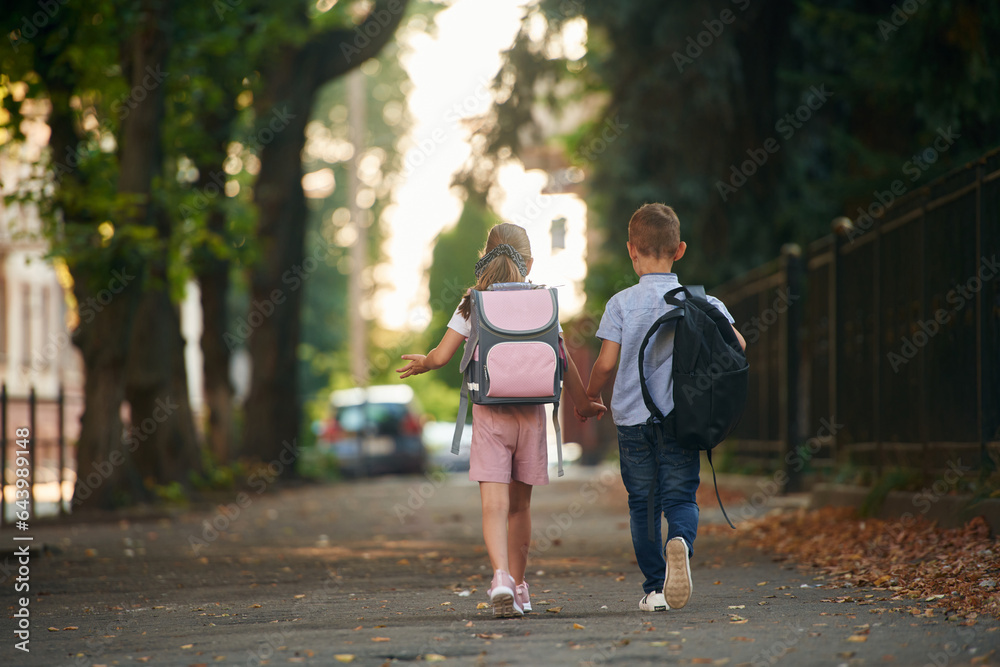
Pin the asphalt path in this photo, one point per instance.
(392, 571)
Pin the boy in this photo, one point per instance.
(654, 245)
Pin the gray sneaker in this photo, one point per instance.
(677, 587)
(653, 602)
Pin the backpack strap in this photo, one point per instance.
(708, 453)
(669, 317)
(470, 348)
(656, 419)
(555, 422)
(463, 411)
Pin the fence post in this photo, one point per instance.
(841, 226)
(793, 284)
(32, 450)
(61, 424)
(3, 453)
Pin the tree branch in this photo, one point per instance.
(342, 50)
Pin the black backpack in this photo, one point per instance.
(710, 379)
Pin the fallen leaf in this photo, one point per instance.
(434, 657)
(737, 606)
(743, 639)
(188, 646)
(554, 610)
(71, 627)
(489, 635)
(762, 583)
(381, 639)
(577, 626)
(300, 596)
(344, 657)
(51, 629)
(482, 605)
(857, 639)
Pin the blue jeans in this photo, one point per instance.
(677, 472)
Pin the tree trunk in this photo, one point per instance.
(163, 435)
(272, 408)
(106, 472)
(213, 277)
(107, 290)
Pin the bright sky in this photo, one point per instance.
(451, 72)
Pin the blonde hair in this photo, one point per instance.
(654, 230)
(502, 269)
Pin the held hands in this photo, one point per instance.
(417, 365)
(595, 408)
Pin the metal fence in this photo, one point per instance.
(49, 472)
(879, 346)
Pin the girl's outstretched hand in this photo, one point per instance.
(416, 366)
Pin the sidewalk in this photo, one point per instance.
(393, 570)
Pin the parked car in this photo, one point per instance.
(375, 431)
(438, 437)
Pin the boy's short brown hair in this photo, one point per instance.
(654, 230)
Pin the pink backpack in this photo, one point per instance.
(514, 354)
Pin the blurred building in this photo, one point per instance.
(36, 349)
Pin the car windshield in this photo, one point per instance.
(377, 418)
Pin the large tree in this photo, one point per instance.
(290, 83)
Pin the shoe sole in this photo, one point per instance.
(504, 605)
(677, 588)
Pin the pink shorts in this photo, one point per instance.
(509, 442)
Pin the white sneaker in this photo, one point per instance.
(677, 587)
(653, 602)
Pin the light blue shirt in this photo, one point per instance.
(627, 318)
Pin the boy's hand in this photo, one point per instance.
(416, 366)
(595, 408)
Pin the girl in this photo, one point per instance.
(509, 452)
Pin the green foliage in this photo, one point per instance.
(672, 130)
